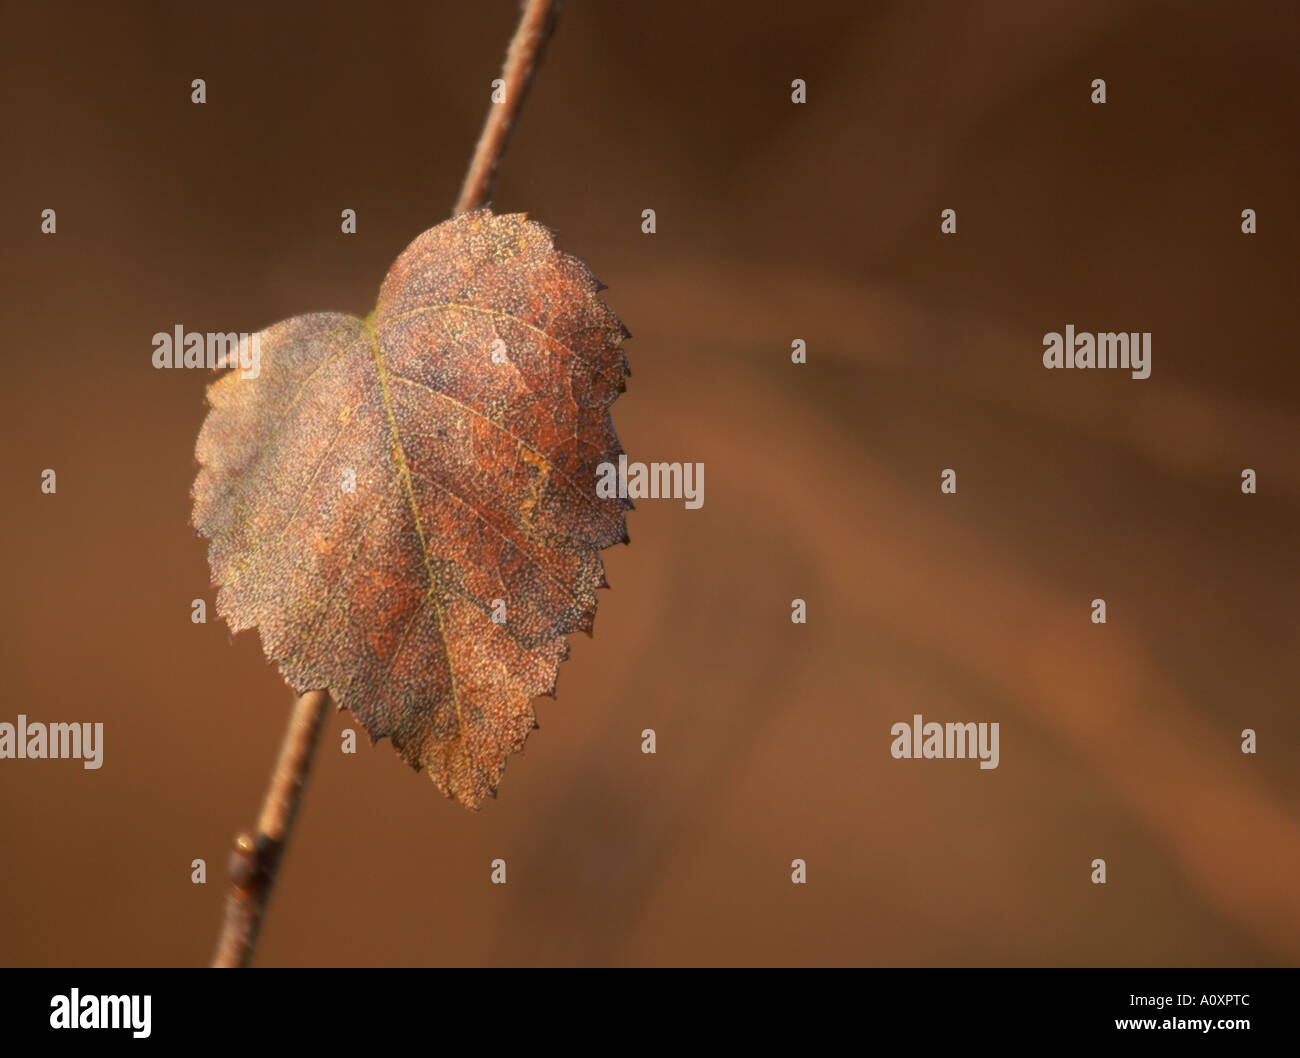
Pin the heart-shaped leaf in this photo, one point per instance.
(405, 505)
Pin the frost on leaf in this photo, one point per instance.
(472, 408)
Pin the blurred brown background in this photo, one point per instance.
(775, 222)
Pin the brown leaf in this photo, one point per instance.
(475, 482)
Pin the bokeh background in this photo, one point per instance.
(775, 221)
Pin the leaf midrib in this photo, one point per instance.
(404, 473)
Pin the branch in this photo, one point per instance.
(254, 861)
(522, 59)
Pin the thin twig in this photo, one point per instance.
(255, 860)
(522, 59)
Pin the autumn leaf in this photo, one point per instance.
(471, 410)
